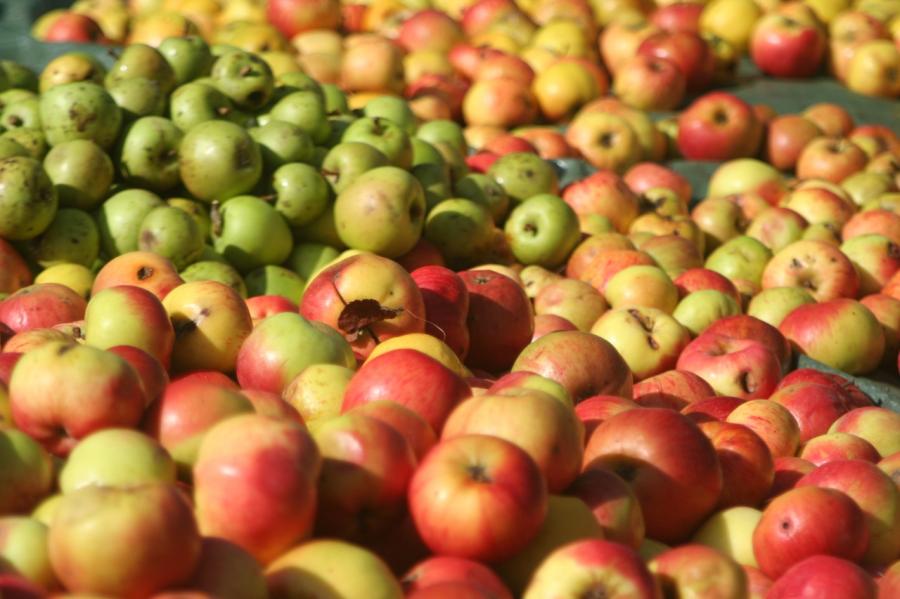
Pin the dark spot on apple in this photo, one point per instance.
(785, 525)
(144, 273)
(148, 239)
(478, 474)
(481, 279)
(64, 349)
(795, 263)
(598, 591)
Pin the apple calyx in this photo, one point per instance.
(478, 473)
(597, 591)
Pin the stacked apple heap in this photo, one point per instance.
(278, 348)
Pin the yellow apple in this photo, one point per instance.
(874, 69)
(731, 532)
(318, 391)
(731, 20)
(76, 277)
(428, 345)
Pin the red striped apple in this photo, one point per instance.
(830, 447)
(824, 577)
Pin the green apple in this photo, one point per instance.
(148, 154)
(72, 237)
(323, 230)
(426, 153)
(394, 109)
(116, 457)
(171, 233)
(80, 110)
(142, 61)
(444, 131)
(302, 193)
(308, 571)
(730, 531)
(741, 257)
(10, 148)
(523, 174)
(385, 135)
(245, 78)
(26, 471)
(28, 200)
(435, 182)
(282, 143)
(23, 546)
(137, 98)
(194, 102)
(24, 113)
(542, 230)
(219, 160)
(309, 258)
(335, 99)
(382, 211)
(44, 511)
(317, 392)
(720, 219)
(275, 280)
(864, 186)
(250, 233)
(188, 56)
(462, 230)
(699, 309)
(210, 270)
(483, 189)
(305, 109)
(345, 162)
(81, 171)
(198, 211)
(19, 76)
(119, 219)
(773, 304)
(33, 140)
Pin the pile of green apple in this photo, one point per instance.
(257, 344)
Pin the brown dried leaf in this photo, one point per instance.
(359, 314)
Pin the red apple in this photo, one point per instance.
(606, 194)
(291, 17)
(7, 363)
(877, 425)
(412, 379)
(270, 404)
(773, 422)
(607, 264)
(690, 53)
(500, 320)
(711, 408)
(742, 368)
(446, 301)
(786, 137)
(614, 504)
(674, 389)
(584, 364)
(833, 119)
(808, 521)
(437, 570)
(41, 306)
(594, 410)
(788, 472)
(677, 491)
(824, 577)
(151, 271)
(153, 375)
(875, 494)
(263, 306)
(477, 497)
(678, 16)
(649, 175)
(74, 27)
(579, 263)
(718, 126)
(650, 83)
(815, 407)
(545, 324)
(747, 466)
(429, 30)
(838, 446)
(695, 569)
(783, 46)
(830, 158)
(878, 221)
(255, 484)
(14, 271)
(749, 327)
(695, 279)
(819, 267)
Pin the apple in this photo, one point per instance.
(500, 102)
(62, 392)
(741, 257)
(876, 259)
(690, 53)
(500, 319)
(820, 206)
(594, 410)
(604, 193)
(261, 514)
(365, 277)
(855, 396)
(872, 70)
(808, 521)
(41, 306)
(261, 307)
(743, 368)
(16, 273)
(439, 570)
(542, 229)
(783, 46)
(718, 126)
(838, 446)
(788, 472)
(613, 503)
(711, 408)
(490, 492)
(774, 424)
(605, 140)
(574, 300)
(730, 532)
(877, 425)
(875, 494)
(568, 520)
(650, 83)
(308, 569)
(814, 406)
(581, 259)
(97, 525)
(593, 567)
(747, 175)
(620, 39)
(695, 568)
(824, 576)
(633, 330)
(812, 329)
(697, 279)
(817, 266)
(371, 63)
(519, 383)
(746, 462)
(567, 84)
(27, 471)
(772, 305)
(225, 568)
(877, 221)
(641, 286)
(777, 227)
(786, 136)
(584, 364)
(414, 428)
(832, 159)
(366, 468)
(626, 444)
